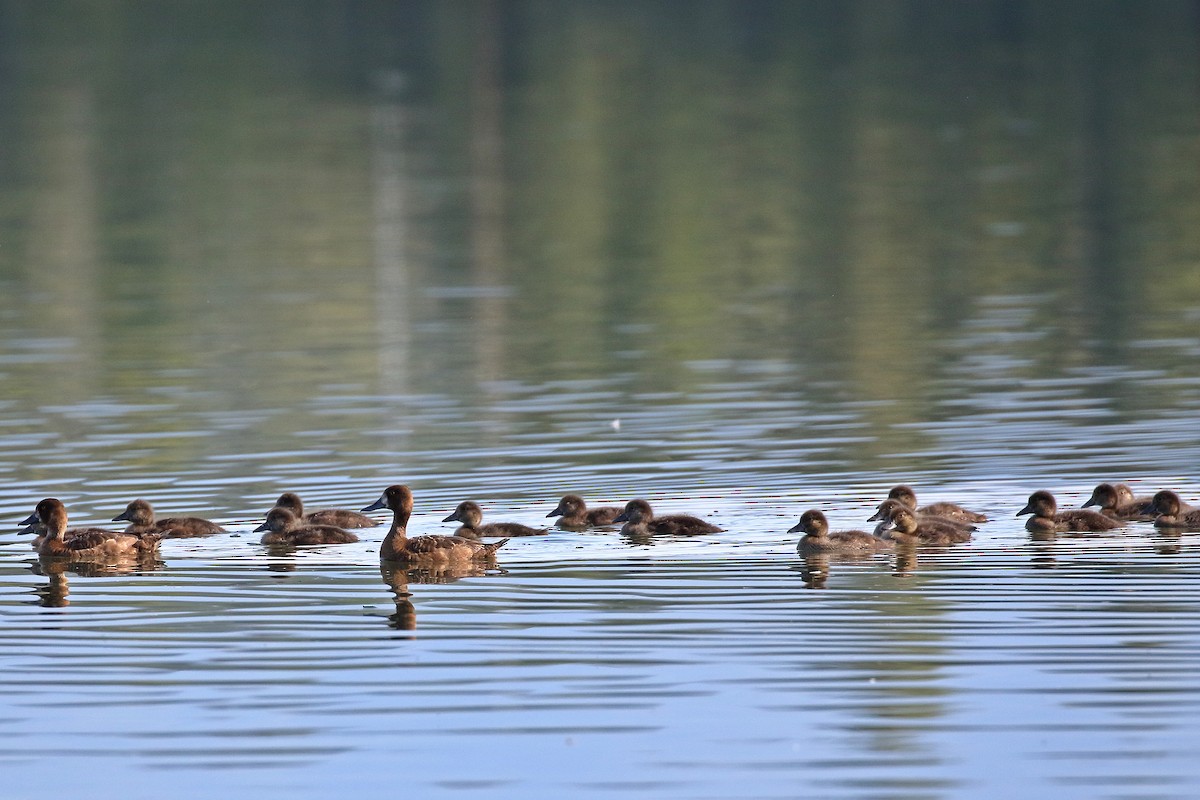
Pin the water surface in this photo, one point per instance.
(740, 260)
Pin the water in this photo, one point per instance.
(742, 262)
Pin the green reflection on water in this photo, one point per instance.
(259, 205)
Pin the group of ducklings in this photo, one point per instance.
(287, 524)
(900, 521)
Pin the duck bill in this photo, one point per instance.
(558, 512)
(378, 504)
(32, 519)
(795, 528)
(452, 518)
(1026, 510)
(1090, 503)
(122, 517)
(261, 528)
(623, 517)
(878, 515)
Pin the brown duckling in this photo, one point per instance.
(424, 550)
(891, 505)
(640, 521)
(284, 527)
(1117, 502)
(906, 495)
(1173, 512)
(574, 513)
(818, 539)
(471, 516)
(140, 515)
(91, 544)
(338, 517)
(906, 527)
(1047, 519)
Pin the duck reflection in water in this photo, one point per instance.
(397, 577)
(814, 569)
(54, 594)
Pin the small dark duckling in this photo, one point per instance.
(574, 513)
(284, 527)
(906, 495)
(1047, 519)
(90, 544)
(891, 505)
(1117, 502)
(906, 527)
(471, 516)
(140, 515)
(1173, 512)
(338, 517)
(640, 521)
(818, 539)
(424, 550)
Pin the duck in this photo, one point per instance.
(92, 544)
(1047, 519)
(1116, 501)
(817, 538)
(33, 525)
(640, 521)
(284, 527)
(470, 515)
(906, 527)
(906, 495)
(433, 550)
(140, 515)
(574, 513)
(1173, 512)
(888, 507)
(338, 517)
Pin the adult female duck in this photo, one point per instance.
(424, 550)
(86, 545)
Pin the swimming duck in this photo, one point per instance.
(284, 527)
(818, 539)
(424, 550)
(86, 544)
(906, 527)
(574, 513)
(36, 527)
(888, 507)
(640, 521)
(338, 517)
(1047, 519)
(471, 516)
(906, 495)
(1117, 502)
(140, 515)
(1173, 512)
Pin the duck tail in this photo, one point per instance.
(148, 542)
(494, 546)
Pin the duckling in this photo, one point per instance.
(1117, 502)
(1047, 519)
(471, 516)
(906, 528)
(284, 527)
(89, 544)
(574, 513)
(890, 506)
(818, 539)
(424, 550)
(640, 521)
(140, 515)
(338, 517)
(906, 495)
(1173, 512)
